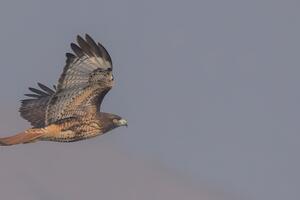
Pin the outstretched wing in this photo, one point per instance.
(33, 109)
(86, 78)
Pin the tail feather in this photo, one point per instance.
(27, 136)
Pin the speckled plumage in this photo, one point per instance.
(71, 110)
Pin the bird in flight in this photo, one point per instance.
(71, 110)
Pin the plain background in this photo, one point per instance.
(210, 90)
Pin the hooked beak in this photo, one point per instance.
(122, 122)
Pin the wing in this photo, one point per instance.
(34, 108)
(86, 78)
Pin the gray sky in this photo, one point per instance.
(210, 89)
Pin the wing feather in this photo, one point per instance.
(46, 89)
(93, 46)
(77, 50)
(34, 109)
(38, 92)
(86, 78)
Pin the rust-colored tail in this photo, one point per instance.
(27, 136)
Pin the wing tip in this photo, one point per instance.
(39, 93)
(89, 47)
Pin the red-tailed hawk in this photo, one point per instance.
(71, 111)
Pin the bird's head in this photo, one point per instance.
(110, 121)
